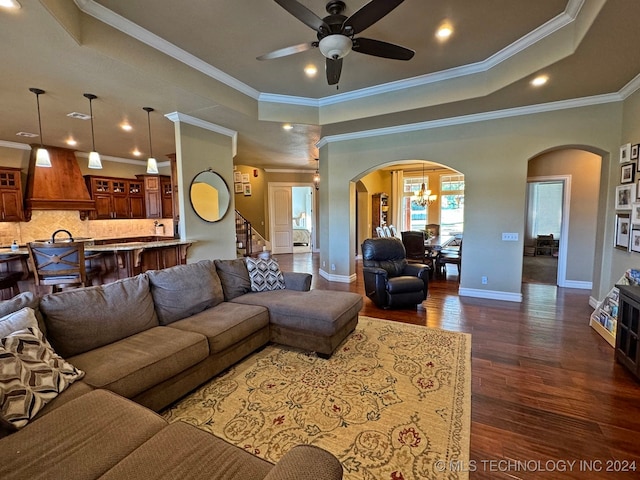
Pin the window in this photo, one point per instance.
(451, 204)
(414, 216)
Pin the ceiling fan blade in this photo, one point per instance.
(369, 14)
(283, 52)
(333, 67)
(378, 48)
(303, 14)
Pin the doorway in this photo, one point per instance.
(546, 230)
(291, 217)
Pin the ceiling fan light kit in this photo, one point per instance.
(336, 32)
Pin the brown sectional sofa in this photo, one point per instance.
(152, 339)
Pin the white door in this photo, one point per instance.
(281, 219)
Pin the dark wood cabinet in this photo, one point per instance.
(116, 197)
(379, 211)
(628, 329)
(157, 188)
(10, 195)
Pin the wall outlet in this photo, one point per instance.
(333, 266)
(509, 237)
(484, 280)
(324, 264)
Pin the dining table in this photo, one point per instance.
(434, 244)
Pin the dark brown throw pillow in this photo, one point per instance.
(234, 277)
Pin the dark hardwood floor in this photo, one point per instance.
(546, 390)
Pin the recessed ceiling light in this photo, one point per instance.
(26, 134)
(539, 80)
(71, 142)
(79, 116)
(137, 152)
(444, 31)
(287, 126)
(310, 70)
(11, 4)
(126, 127)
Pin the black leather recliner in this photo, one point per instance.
(389, 279)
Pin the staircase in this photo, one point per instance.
(248, 241)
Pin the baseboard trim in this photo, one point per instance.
(490, 294)
(337, 278)
(577, 284)
(593, 302)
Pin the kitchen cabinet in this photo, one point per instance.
(157, 188)
(116, 198)
(10, 195)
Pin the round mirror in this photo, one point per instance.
(209, 196)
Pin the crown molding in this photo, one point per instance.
(99, 12)
(196, 122)
(477, 117)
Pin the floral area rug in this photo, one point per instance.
(392, 403)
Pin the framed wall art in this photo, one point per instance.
(625, 153)
(247, 189)
(626, 173)
(623, 231)
(635, 151)
(635, 213)
(625, 196)
(237, 188)
(237, 176)
(634, 243)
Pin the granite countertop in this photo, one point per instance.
(112, 247)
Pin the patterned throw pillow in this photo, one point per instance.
(31, 375)
(264, 274)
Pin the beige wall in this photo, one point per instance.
(583, 168)
(493, 155)
(197, 150)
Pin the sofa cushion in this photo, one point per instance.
(226, 324)
(82, 319)
(141, 361)
(234, 277)
(180, 291)
(24, 299)
(322, 312)
(186, 452)
(265, 274)
(31, 373)
(18, 320)
(80, 440)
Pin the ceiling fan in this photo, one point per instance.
(336, 34)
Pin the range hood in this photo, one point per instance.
(59, 187)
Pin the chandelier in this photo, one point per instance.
(424, 198)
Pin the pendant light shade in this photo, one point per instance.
(42, 155)
(424, 197)
(152, 165)
(94, 157)
(316, 176)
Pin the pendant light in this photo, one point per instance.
(152, 165)
(316, 176)
(94, 157)
(424, 197)
(42, 155)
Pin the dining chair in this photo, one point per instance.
(414, 245)
(387, 231)
(60, 264)
(432, 229)
(394, 231)
(379, 232)
(450, 256)
(9, 278)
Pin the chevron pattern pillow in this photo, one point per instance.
(31, 374)
(264, 274)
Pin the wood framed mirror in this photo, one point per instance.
(209, 195)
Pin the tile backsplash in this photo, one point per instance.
(44, 222)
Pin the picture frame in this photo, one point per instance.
(635, 151)
(237, 188)
(247, 189)
(237, 177)
(625, 195)
(245, 178)
(634, 241)
(627, 172)
(625, 153)
(635, 214)
(623, 231)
